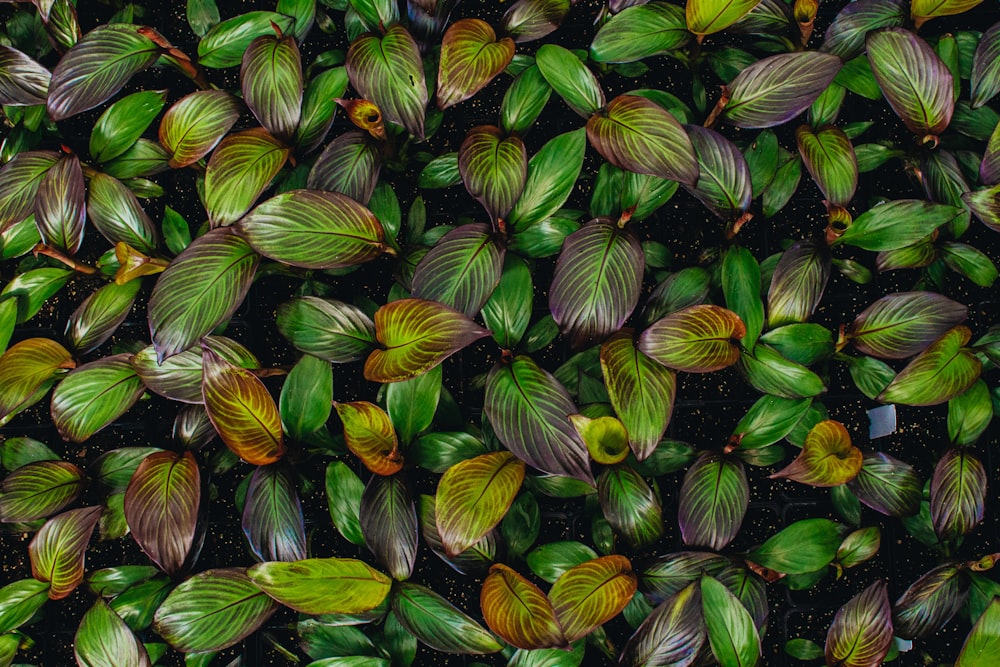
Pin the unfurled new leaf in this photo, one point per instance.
(827, 458)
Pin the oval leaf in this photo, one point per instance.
(471, 56)
(778, 88)
(732, 634)
(116, 213)
(983, 642)
(57, 551)
(941, 372)
(986, 67)
(461, 270)
(272, 516)
(94, 395)
(103, 638)
(705, 17)
(493, 169)
(518, 611)
(323, 585)
(888, 485)
(639, 32)
(713, 500)
(240, 169)
(438, 624)
(673, 635)
(350, 165)
(369, 434)
(903, 324)
(958, 494)
(697, 339)
(194, 124)
(271, 77)
(179, 378)
(589, 594)
(570, 78)
(630, 506)
(389, 524)
(39, 489)
(23, 82)
(27, 370)
(829, 156)
(59, 205)
(805, 546)
(861, 632)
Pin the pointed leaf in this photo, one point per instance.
(319, 106)
(103, 638)
(332, 330)
(524, 100)
(473, 496)
(528, 410)
(958, 494)
(896, 224)
(493, 169)
(116, 213)
(58, 549)
(930, 602)
(778, 88)
(194, 124)
(592, 593)
(713, 500)
(19, 601)
(388, 71)
(914, 80)
(518, 611)
(161, 507)
(641, 391)
(829, 156)
(23, 82)
(770, 372)
(225, 42)
(239, 171)
(369, 434)
(731, 631)
(570, 78)
(99, 316)
(903, 324)
(39, 489)
(272, 516)
(804, 546)
(93, 395)
(27, 370)
(861, 632)
(846, 35)
(306, 397)
(827, 459)
(241, 409)
(970, 414)
(724, 185)
(389, 524)
(179, 377)
(461, 270)
(597, 282)
(986, 203)
(212, 610)
(741, 288)
(636, 134)
(97, 67)
(983, 642)
(271, 77)
(705, 17)
(986, 67)
(922, 10)
(888, 485)
(19, 181)
(59, 205)
(438, 624)
(124, 122)
(471, 56)
(672, 636)
(201, 288)
(527, 20)
(941, 372)
(417, 335)
(769, 420)
(322, 585)
(350, 165)
(552, 174)
(639, 32)
(697, 339)
(630, 506)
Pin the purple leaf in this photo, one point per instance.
(350, 165)
(272, 516)
(23, 82)
(60, 211)
(778, 88)
(461, 270)
(388, 71)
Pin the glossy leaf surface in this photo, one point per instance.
(552, 175)
(903, 324)
(194, 124)
(941, 372)
(804, 546)
(103, 638)
(272, 516)
(713, 500)
(494, 168)
(271, 77)
(39, 489)
(93, 395)
(461, 270)
(518, 611)
(179, 378)
(896, 224)
(861, 633)
(240, 169)
(673, 635)
(983, 641)
(985, 78)
(958, 494)
(225, 42)
(697, 339)
(59, 205)
(369, 434)
(388, 71)
(116, 213)
(827, 458)
(350, 165)
(888, 485)
(438, 623)
(322, 585)
(27, 370)
(23, 81)
(592, 593)
(332, 330)
(930, 602)
(570, 78)
(471, 56)
(732, 634)
(632, 508)
(829, 156)
(389, 524)
(57, 550)
(640, 31)
(778, 88)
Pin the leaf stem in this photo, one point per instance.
(49, 251)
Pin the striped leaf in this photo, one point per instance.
(827, 458)
(518, 610)
(388, 71)
(97, 67)
(369, 434)
(19, 181)
(389, 524)
(778, 88)
(923, 10)
(350, 165)
(39, 489)
(914, 80)
(212, 610)
(417, 335)
(27, 370)
(93, 395)
(673, 635)
(641, 391)
(323, 585)
(930, 602)
(713, 500)
(194, 124)
(240, 169)
(770, 372)
(202, 287)
(332, 330)
(888, 485)
(636, 134)
(829, 156)
(938, 374)
(314, 230)
(597, 282)
(705, 17)
(99, 316)
(798, 283)
(272, 516)
(528, 410)
(461, 270)
(903, 324)
(527, 20)
(438, 623)
(59, 205)
(271, 78)
(846, 35)
(732, 633)
(103, 638)
(697, 339)
(473, 496)
(493, 169)
(985, 203)
(471, 56)
(179, 377)
(226, 42)
(23, 81)
(570, 78)
(161, 507)
(639, 32)
(592, 593)
(58, 549)
(861, 632)
(241, 409)
(724, 185)
(986, 67)
(958, 494)
(116, 213)
(631, 507)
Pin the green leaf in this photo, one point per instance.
(239, 171)
(103, 638)
(640, 31)
(672, 635)
(388, 71)
(116, 213)
(389, 523)
(804, 546)
(471, 56)
(630, 506)
(518, 610)
(124, 122)
(924, 10)
(570, 78)
(27, 370)
(19, 181)
(713, 501)
(212, 610)
(441, 172)
(985, 75)
(113, 470)
(349, 165)
(741, 288)
(724, 185)
(439, 451)
(549, 561)
(439, 624)
(970, 414)
(332, 330)
(903, 324)
(508, 310)
(194, 124)
(786, 181)
(860, 546)
(97, 67)
(641, 391)
(776, 89)
(958, 494)
(803, 343)
(369, 434)
(319, 106)
(322, 585)
(592, 593)
(39, 489)
(769, 420)
(32, 289)
(226, 42)
(93, 395)
(343, 495)
(969, 261)
(829, 156)
(179, 377)
(58, 549)
(828, 458)
(306, 397)
(768, 371)
(983, 642)
(524, 100)
(493, 168)
(896, 224)
(731, 631)
(59, 206)
(941, 372)
(705, 17)
(528, 410)
(861, 632)
(636, 134)
(914, 80)
(101, 313)
(417, 335)
(412, 403)
(201, 288)
(697, 339)
(271, 79)
(461, 270)
(19, 601)
(552, 175)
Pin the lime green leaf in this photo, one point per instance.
(343, 495)
(240, 169)
(19, 181)
(589, 594)
(319, 106)
(731, 631)
(471, 56)
(741, 288)
(58, 549)
(771, 373)
(570, 78)
(518, 611)
(322, 585)
(705, 17)
(903, 324)
(39, 489)
(827, 458)
(438, 624)
(524, 100)
(507, 313)
(983, 642)
(94, 395)
(970, 414)
(860, 546)
(697, 339)
(805, 546)
(552, 174)
(769, 420)
(101, 313)
(194, 124)
(861, 632)
(27, 370)
(388, 71)
(103, 638)
(941, 372)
